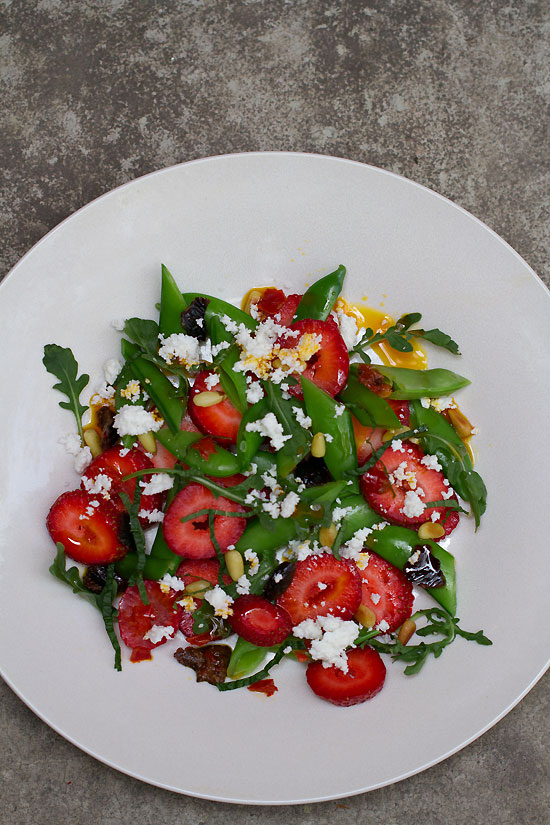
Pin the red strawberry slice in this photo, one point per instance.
(389, 488)
(192, 570)
(367, 440)
(115, 463)
(87, 527)
(137, 620)
(275, 304)
(221, 420)
(364, 679)
(401, 409)
(260, 622)
(322, 585)
(387, 592)
(329, 366)
(191, 539)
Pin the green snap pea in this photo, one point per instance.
(158, 387)
(370, 409)
(219, 463)
(340, 455)
(217, 308)
(257, 538)
(246, 658)
(171, 304)
(396, 545)
(359, 516)
(321, 296)
(248, 443)
(296, 447)
(409, 384)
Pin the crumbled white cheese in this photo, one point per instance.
(220, 601)
(159, 632)
(375, 598)
(289, 504)
(330, 637)
(111, 369)
(353, 548)
(447, 493)
(181, 348)
(188, 603)
(339, 410)
(100, 485)
(152, 516)
(397, 445)
(211, 381)
(169, 582)
(436, 515)
(269, 427)
(413, 507)
(383, 626)
(340, 513)
(253, 560)
(254, 392)
(131, 420)
(302, 419)
(243, 585)
(83, 460)
(431, 462)
(348, 329)
(118, 324)
(158, 484)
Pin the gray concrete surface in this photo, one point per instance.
(453, 94)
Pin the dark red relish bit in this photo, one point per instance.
(106, 423)
(192, 317)
(425, 571)
(209, 662)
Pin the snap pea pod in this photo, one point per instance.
(157, 385)
(370, 409)
(219, 463)
(442, 440)
(296, 447)
(233, 382)
(396, 545)
(319, 299)
(257, 538)
(246, 658)
(248, 443)
(359, 516)
(410, 384)
(171, 304)
(341, 454)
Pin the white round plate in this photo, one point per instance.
(222, 225)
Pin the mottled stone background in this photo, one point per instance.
(452, 93)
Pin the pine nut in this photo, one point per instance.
(365, 616)
(93, 441)
(318, 445)
(327, 535)
(208, 398)
(430, 530)
(197, 588)
(406, 631)
(235, 564)
(148, 442)
(460, 423)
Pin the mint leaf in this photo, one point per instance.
(61, 363)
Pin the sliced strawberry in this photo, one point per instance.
(367, 440)
(322, 585)
(363, 680)
(191, 539)
(87, 526)
(387, 592)
(275, 304)
(192, 570)
(399, 481)
(136, 620)
(221, 420)
(401, 409)
(260, 622)
(115, 463)
(329, 366)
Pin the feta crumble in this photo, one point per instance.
(158, 484)
(159, 632)
(131, 420)
(220, 601)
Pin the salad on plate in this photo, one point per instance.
(277, 480)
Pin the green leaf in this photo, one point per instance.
(144, 333)
(70, 576)
(438, 338)
(61, 363)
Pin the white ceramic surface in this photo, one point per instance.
(223, 225)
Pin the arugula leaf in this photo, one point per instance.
(438, 338)
(144, 333)
(60, 361)
(439, 623)
(399, 336)
(103, 601)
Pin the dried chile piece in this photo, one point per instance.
(192, 317)
(374, 380)
(106, 421)
(279, 580)
(209, 662)
(423, 568)
(95, 577)
(313, 471)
